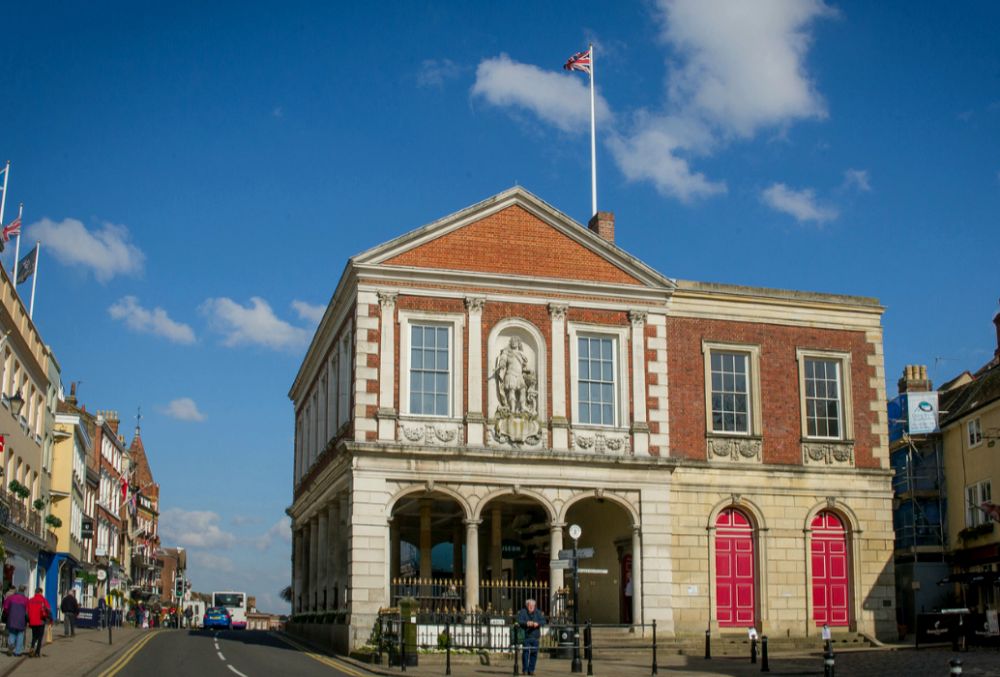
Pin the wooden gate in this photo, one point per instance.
(734, 570)
(829, 571)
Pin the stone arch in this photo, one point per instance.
(755, 515)
(426, 488)
(838, 508)
(533, 337)
(741, 503)
(852, 531)
(543, 500)
(621, 502)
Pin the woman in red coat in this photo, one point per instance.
(39, 613)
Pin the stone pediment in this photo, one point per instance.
(515, 234)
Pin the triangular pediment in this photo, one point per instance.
(515, 234)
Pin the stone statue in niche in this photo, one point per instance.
(516, 415)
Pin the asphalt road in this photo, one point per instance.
(223, 654)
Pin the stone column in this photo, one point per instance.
(322, 528)
(636, 574)
(343, 560)
(556, 576)
(426, 538)
(298, 550)
(334, 544)
(496, 552)
(560, 421)
(472, 564)
(394, 542)
(313, 562)
(456, 551)
(387, 367)
(475, 421)
(640, 427)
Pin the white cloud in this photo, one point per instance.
(155, 321)
(857, 178)
(309, 312)
(561, 99)
(651, 154)
(742, 64)
(213, 562)
(183, 409)
(434, 72)
(281, 530)
(194, 529)
(252, 324)
(800, 204)
(106, 252)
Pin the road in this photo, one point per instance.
(221, 654)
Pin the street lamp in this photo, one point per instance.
(16, 403)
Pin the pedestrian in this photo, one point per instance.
(70, 608)
(101, 608)
(39, 613)
(188, 615)
(531, 619)
(15, 615)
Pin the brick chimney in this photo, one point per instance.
(112, 418)
(603, 223)
(914, 379)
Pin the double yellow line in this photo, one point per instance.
(123, 660)
(342, 666)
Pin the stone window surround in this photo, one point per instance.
(752, 351)
(456, 323)
(974, 432)
(620, 337)
(846, 403)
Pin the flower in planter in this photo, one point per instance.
(39, 504)
(53, 521)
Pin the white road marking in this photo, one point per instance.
(235, 670)
(221, 657)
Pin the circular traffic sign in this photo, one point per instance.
(101, 574)
(575, 531)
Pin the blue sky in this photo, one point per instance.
(199, 173)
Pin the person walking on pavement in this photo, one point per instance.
(15, 615)
(188, 615)
(39, 613)
(531, 619)
(70, 608)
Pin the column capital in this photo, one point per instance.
(637, 317)
(557, 311)
(474, 304)
(387, 299)
(636, 529)
(553, 526)
(472, 523)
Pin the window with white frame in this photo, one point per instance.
(975, 432)
(825, 384)
(975, 495)
(732, 392)
(598, 373)
(430, 371)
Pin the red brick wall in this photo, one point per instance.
(779, 384)
(535, 249)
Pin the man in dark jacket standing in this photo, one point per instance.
(15, 615)
(70, 608)
(531, 619)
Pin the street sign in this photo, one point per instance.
(581, 570)
(560, 564)
(581, 553)
(575, 531)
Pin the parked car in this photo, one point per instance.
(217, 617)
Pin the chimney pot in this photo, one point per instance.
(603, 223)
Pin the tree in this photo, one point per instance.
(286, 594)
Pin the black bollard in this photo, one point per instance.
(753, 649)
(956, 666)
(402, 648)
(654, 646)
(764, 667)
(588, 648)
(828, 664)
(708, 644)
(447, 648)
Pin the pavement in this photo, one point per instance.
(76, 655)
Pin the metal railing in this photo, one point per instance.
(21, 516)
(445, 595)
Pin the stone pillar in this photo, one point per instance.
(334, 544)
(556, 576)
(322, 527)
(394, 542)
(387, 367)
(560, 420)
(636, 574)
(313, 561)
(472, 564)
(456, 551)
(426, 538)
(298, 554)
(640, 427)
(496, 552)
(475, 420)
(343, 560)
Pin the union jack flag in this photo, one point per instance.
(579, 62)
(11, 229)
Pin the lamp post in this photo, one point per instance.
(16, 403)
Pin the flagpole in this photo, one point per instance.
(17, 245)
(3, 198)
(593, 138)
(34, 280)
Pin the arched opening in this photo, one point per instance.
(426, 551)
(514, 546)
(830, 581)
(607, 528)
(735, 570)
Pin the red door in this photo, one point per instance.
(829, 570)
(734, 570)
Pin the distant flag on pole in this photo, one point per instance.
(26, 266)
(579, 62)
(10, 230)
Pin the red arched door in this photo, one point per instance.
(734, 570)
(829, 570)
